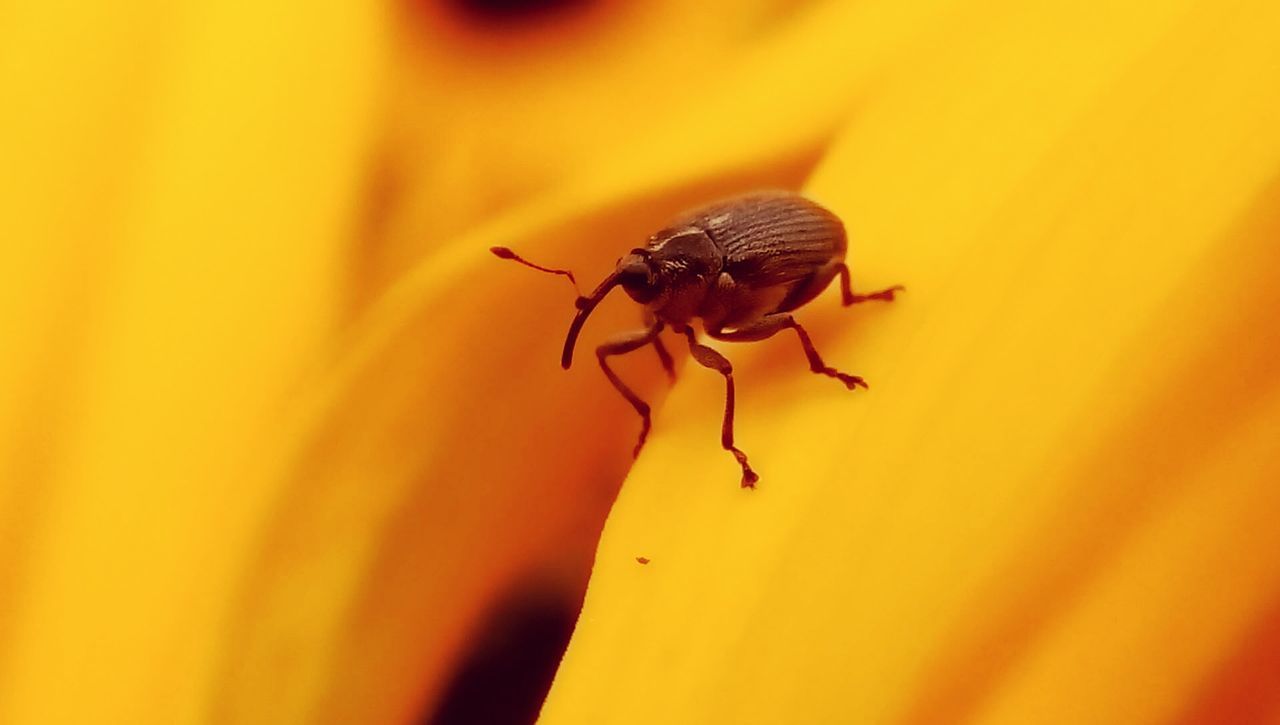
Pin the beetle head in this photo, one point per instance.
(636, 273)
(673, 260)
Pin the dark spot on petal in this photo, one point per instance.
(508, 11)
(507, 670)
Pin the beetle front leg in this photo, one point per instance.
(663, 355)
(849, 298)
(709, 358)
(770, 325)
(619, 345)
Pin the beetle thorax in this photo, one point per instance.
(672, 273)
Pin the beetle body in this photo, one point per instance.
(741, 266)
(738, 260)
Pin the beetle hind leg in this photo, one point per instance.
(709, 358)
(849, 298)
(770, 325)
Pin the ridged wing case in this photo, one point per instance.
(772, 238)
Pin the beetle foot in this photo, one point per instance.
(884, 295)
(749, 477)
(644, 433)
(852, 382)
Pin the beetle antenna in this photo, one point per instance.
(506, 253)
(585, 306)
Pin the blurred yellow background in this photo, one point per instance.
(280, 437)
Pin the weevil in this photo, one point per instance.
(741, 266)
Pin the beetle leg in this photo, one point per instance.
(709, 358)
(770, 325)
(619, 345)
(846, 289)
(663, 355)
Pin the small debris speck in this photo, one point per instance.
(642, 560)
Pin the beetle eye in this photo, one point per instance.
(636, 277)
(635, 273)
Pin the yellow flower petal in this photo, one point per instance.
(178, 186)
(279, 433)
(491, 116)
(451, 399)
(1049, 506)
